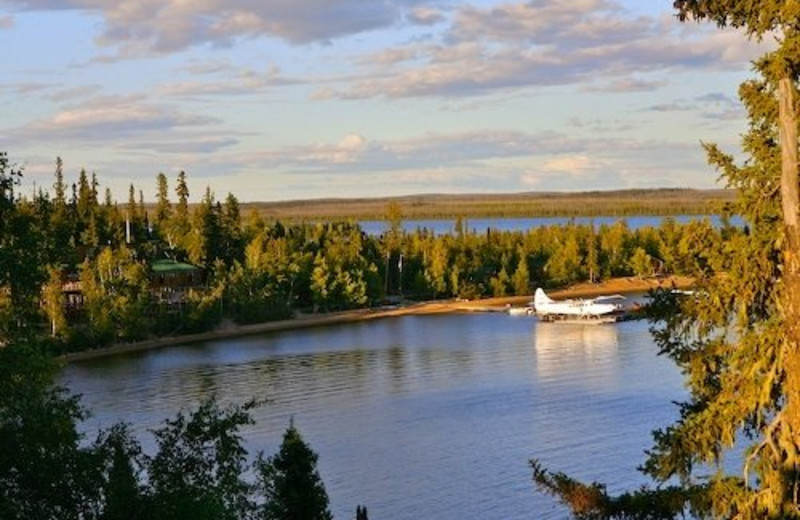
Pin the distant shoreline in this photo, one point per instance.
(617, 203)
(583, 290)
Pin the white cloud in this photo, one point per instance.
(234, 82)
(425, 16)
(714, 106)
(111, 119)
(349, 150)
(161, 26)
(530, 158)
(574, 165)
(512, 46)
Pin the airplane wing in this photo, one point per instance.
(609, 298)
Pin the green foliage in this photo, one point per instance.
(116, 295)
(291, 483)
(255, 271)
(197, 472)
(53, 302)
(521, 279)
(163, 206)
(44, 471)
(641, 263)
(735, 338)
(592, 502)
(120, 462)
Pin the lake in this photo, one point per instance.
(419, 416)
(480, 225)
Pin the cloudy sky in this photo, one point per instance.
(289, 99)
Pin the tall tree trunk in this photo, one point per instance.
(789, 433)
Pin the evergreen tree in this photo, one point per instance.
(292, 486)
(123, 495)
(61, 227)
(180, 226)
(737, 339)
(163, 206)
(232, 247)
(142, 212)
(84, 195)
(94, 201)
(59, 187)
(204, 243)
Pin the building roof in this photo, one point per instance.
(167, 266)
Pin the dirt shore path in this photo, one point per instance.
(584, 290)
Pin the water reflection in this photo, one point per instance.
(565, 349)
(430, 416)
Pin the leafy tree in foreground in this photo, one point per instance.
(198, 470)
(292, 486)
(44, 473)
(738, 339)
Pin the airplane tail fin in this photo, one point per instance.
(539, 297)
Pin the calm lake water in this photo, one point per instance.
(420, 416)
(480, 225)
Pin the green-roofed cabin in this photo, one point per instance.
(170, 280)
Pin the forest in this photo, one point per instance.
(734, 451)
(77, 273)
(89, 273)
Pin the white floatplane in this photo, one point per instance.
(603, 309)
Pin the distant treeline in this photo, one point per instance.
(256, 269)
(535, 204)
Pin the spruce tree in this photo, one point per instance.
(163, 206)
(737, 339)
(292, 486)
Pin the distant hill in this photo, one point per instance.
(667, 201)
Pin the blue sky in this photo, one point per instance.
(282, 99)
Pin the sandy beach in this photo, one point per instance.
(583, 290)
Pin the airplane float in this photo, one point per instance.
(603, 309)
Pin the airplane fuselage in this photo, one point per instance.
(577, 308)
(545, 306)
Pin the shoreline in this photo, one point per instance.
(582, 290)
